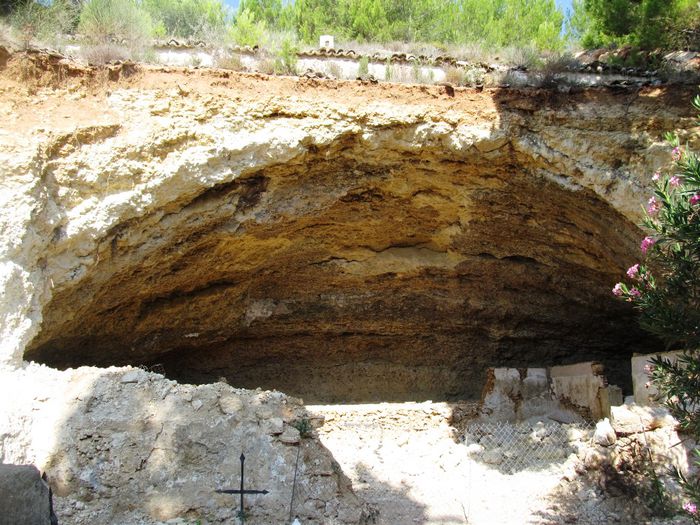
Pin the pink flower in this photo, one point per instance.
(655, 177)
(690, 508)
(695, 199)
(633, 271)
(653, 206)
(674, 181)
(648, 369)
(647, 243)
(676, 153)
(634, 293)
(618, 291)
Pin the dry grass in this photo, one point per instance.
(100, 54)
(454, 75)
(230, 61)
(266, 66)
(334, 70)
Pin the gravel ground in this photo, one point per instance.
(412, 464)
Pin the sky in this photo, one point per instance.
(561, 4)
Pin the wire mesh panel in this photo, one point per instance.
(512, 447)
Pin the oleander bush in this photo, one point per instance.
(665, 289)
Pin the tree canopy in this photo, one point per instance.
(491, 22)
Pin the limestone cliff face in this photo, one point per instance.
(332, 240)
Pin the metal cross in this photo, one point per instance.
(242, 492)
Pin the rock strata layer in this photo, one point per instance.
(337, 241)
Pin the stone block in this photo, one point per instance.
(609, 396)
(24, 497)
(133, 376)
(536, 383)
(579, 385)
(507, 380)
(632, 419)
(503, 387)
(230, 404)
(275, 426)
(645, 394)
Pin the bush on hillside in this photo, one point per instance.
(105, 21)
(36, 21)
(187, 18)
(247, 31)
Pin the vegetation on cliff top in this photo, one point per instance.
(489, 23)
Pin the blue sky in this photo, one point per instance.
(564, 4)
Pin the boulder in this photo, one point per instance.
(632, 419)
(604, 433)
(25, 499)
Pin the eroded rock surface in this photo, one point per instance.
(332, 240)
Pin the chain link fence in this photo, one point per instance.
(513, 447)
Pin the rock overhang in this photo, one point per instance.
(386, 251)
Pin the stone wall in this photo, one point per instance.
(560, 393)
(121, 445)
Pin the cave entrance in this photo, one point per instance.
(337, 279)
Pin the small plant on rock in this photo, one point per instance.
(304, 427)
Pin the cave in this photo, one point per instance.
(355, 274)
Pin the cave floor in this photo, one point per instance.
(407, 462)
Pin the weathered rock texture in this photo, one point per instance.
(130, 447)
(332, 240)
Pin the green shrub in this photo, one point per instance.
(107, 20)
(286, 57)
(232, 62)
(247, 31)
(187, 18)
(363, 67)
(666, 289)
(495, 23)
(33, 20)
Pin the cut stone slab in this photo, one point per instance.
(24, 497)
(644, 391)
(632, 419)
